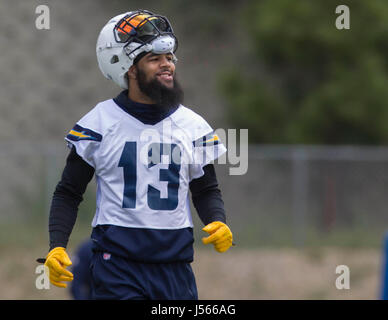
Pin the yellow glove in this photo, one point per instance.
(56, 261)
(220, 236)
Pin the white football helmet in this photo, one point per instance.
(127, 35)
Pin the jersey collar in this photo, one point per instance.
(146, 113)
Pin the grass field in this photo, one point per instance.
(238, 274)
(244, 272)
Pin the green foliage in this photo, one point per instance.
(316, 84)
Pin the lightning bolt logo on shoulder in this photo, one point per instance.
(79, 133)
(210, 139)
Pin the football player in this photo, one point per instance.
(146, 151)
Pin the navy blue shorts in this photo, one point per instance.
(114, 277)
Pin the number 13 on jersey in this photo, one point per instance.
(157, 152)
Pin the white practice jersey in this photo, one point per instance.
(143, 171)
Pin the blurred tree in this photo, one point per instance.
(309, 82)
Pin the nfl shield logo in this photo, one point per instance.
(106, 256)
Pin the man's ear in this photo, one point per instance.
(132, 72)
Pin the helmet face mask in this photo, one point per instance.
(126, 36)
(142, 27)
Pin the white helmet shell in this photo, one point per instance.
(115, 58)
(112, 60)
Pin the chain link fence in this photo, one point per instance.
(310, 195)
(291, 195)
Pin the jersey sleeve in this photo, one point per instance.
(86, 136)
(206, 145)
(206, 149)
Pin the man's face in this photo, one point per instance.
(156, 79)
(158, 67)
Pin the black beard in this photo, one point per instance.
(165, 98)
